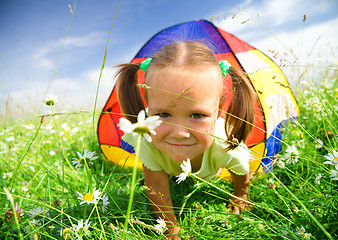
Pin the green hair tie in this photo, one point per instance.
(144, 65)
(225, 65)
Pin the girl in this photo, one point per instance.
(185, 89)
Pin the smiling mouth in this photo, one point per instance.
(180, 145)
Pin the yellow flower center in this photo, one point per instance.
(294, 154)
(66, 231)
(141, 130)
(50, 102)
(88, 197)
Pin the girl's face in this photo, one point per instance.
(187, 123)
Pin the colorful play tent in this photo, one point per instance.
(275, 104)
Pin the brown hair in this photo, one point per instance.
(189, 55)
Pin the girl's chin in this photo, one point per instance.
(179, 159)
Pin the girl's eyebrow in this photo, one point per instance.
(158, 109)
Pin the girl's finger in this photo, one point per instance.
(236, 210)
(229, 206)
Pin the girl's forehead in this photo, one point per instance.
(195, 80)
(169, 90)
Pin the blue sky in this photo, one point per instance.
(33, 36)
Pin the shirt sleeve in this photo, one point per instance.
(239, 160)
(236, 160)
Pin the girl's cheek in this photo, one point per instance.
(205, 127)
(160, 130)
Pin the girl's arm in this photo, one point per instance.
(241, 190)
(158, 192)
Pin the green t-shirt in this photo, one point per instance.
(214, 157)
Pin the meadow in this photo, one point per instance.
(55, 196)
(56, 184)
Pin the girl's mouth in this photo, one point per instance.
(180, 145)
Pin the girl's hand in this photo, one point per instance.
(237, 205)
(241, 190)
(173, 233)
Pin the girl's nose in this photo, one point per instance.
(179, 132)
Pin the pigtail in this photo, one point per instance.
(129, 94)
(241, 114)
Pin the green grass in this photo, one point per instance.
(36, 167)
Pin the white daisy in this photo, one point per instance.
(9, 174)
(161, 226)
(105, 202)
(144, 125)
(300, 230)
(280, 163)
(38, 211)
(319, 143)
(35, 222)
(332, 157)
(50, 100)
(90, 197)
(291, 155)
(74, 130)
(82, 228)
(87, 156)
(29, 126)
(318, 178)
(334, 173)
(271, 183)
(186, 168)
(10, 139)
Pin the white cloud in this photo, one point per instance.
(73, 93)
(312, 47)
(276, 12)
(45, 56)
(21, 102)
(272, 13)
(280, 22)
(80, 93)
(107, 77)
(278, 25)
(314, 39)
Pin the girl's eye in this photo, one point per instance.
(197, 115)
(163, 115)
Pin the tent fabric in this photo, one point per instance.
(275, 105)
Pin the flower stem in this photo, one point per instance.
(89, 176)
(132, 187)
(15, 214)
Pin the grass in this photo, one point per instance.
(42, 185)
(290, 203)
